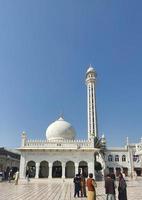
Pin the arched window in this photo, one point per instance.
(110, 158)
(117, 158)
(123, 158)
(135, 158)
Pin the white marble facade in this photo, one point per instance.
(60, 155)
(77, 155)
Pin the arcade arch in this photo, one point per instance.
(70, 169)
(44, 169)
(31, 166)
(83, 168)
(57, 169)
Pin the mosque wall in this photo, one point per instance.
(78, 158)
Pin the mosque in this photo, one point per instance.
(60, 155)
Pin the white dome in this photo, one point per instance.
(60, 130)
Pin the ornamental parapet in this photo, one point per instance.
(59, 144)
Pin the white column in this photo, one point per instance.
(95, 111)
(131, 161)
(37, 170)
(26, 162)
(91, 105)
(50, 170)
(88, 112)
(91, 167)
(114, 170)
(24, 139)
(76, 168)
(22, 167)
(63, 170)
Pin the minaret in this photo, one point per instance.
(91, 102)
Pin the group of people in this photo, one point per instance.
(110, 187)
(80, 185)
(14, 176)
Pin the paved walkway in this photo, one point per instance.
(45, 189)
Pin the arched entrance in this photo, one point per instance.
(57, 169)
(83, 168)
(70, 170)
(32, 168)
(118, 171)
(44, 169)
(111, 170)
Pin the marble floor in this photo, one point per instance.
(57, 189)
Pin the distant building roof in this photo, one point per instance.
(10, 153)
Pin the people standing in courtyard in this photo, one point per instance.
(91, 185)
(134, 175)
(124, 176)
(110, 187)
(10, 174)
(83, 186)
(76, 185)
(27, 174)
(16, 177)
(122, 191)
(112, 175)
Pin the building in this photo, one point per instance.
(9, 159)
(124, 159)
(60, 155)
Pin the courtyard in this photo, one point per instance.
(57, 189)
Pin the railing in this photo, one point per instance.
(59, 144)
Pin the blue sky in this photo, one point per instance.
(45, 49)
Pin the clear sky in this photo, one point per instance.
(45, 49)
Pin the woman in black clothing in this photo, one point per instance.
(122, 191)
